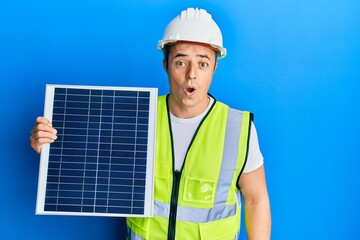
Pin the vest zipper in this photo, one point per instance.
(177, 174)
(173, 205)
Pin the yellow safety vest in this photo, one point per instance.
(202, 200)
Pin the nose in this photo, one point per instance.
(191, 72)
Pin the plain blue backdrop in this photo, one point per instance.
(295, 64)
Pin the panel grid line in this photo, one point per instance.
(137, 112)
(60, 166)
(110, 161)
(86, 145)
(98, 151)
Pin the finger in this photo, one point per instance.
(42, 120)
(41, 127)
(44, 134)
(37, 143)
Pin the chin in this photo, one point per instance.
(189, 103)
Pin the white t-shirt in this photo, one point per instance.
(183, 130)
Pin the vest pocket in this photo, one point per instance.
(199, 191)
(224, 229)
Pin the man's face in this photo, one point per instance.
(190, 68)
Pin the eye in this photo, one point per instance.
(204, 64)
(180, 63)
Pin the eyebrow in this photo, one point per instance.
(185, 55)
(180, 55)
(203, 56)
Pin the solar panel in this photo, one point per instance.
(102, 162)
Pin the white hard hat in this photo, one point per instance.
(194, 25)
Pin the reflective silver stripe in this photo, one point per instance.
(198, 215)
(230, 155)
(132, 236)
(161, 209)
(238, 202)
(238, 198)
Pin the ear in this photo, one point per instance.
(164, 62)
(216, 65)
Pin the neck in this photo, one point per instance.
(184, 111)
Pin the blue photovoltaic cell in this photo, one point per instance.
(98, 162)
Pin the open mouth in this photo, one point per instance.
(190, 90)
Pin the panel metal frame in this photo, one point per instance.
(44, 157)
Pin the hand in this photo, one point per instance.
(42, 133)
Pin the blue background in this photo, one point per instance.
(295, 64)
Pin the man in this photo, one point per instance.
(206, 152)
